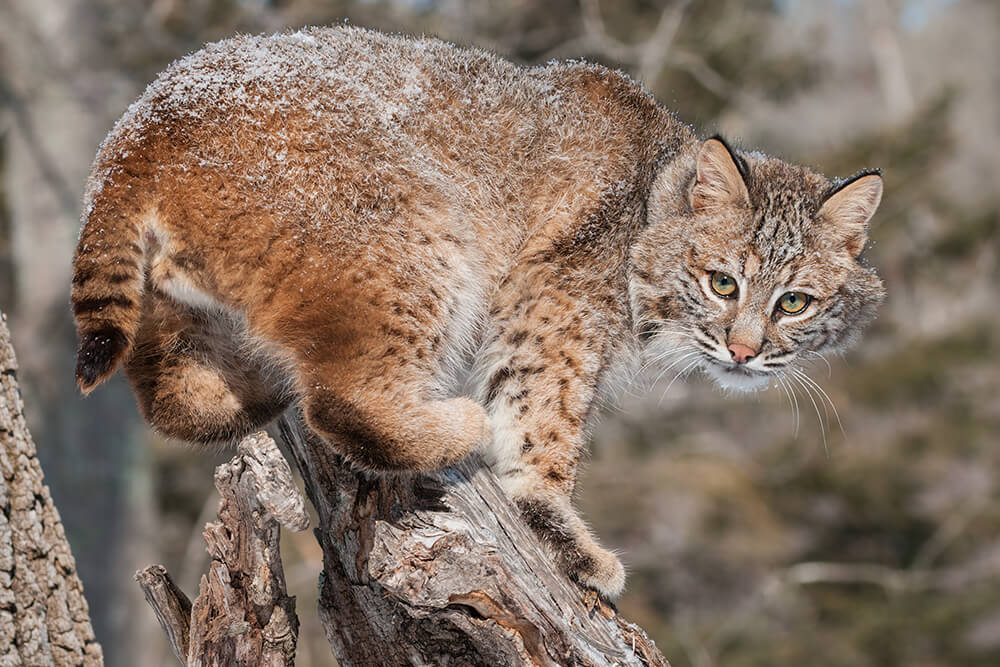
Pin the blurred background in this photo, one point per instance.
(753, 536)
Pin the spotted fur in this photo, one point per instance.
(346, 219)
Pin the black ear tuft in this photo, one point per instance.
(843, 183)
(741, 164)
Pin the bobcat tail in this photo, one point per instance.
(107, 284)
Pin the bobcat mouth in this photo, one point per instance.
(737, 377)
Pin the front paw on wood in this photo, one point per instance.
(601, 571)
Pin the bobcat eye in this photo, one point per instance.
(793, 303)
(723, 285)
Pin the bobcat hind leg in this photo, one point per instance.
(194, 378)
(395, 431)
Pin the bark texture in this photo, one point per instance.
(243, 614)
(44, 619)
(440, 569)
(418, 570)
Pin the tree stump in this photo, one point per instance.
(44, 619)
(417, 570)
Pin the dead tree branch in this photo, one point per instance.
(417, 570)
(243, 614)
(440, 569)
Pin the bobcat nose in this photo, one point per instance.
(742, 353)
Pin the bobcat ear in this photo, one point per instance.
(720, 179)
(848, 209)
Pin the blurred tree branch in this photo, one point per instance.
(650, 57)
(23, 123)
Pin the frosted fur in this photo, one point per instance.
(245, 80)
(368, 226)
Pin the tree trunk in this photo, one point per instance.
(44, 618)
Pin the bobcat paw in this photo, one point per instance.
(576, 551)
(601, 571)
(469, 423)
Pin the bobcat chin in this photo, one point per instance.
(343, 219)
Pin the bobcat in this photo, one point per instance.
(350, 221)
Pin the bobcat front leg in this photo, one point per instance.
(545, 361)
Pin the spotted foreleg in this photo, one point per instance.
(545, 360)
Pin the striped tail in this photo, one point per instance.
(107, 286)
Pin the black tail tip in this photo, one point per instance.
(99, 355)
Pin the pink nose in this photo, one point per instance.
(742, 353)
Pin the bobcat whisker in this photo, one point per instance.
(685, 351)
(670, 345)
(826, 396)
(685, 357)
(829, 368)
(679, 374)
(819, 417)
(807, 382)
(666, 336)
(793, 403)
(665, 354)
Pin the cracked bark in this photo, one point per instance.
(418, 570)
(440, 569)
(243, 614)
(44, 619)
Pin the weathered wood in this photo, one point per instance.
(243, 614)
(418, 570)
(44, 619)
(440, 569)
(171, 606)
